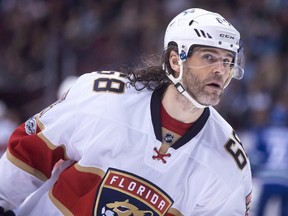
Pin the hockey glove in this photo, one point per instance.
(6, 213)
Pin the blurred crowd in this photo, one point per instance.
(44, 42)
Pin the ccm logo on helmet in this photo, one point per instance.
(227, 36)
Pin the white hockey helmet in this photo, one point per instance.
(197, 26)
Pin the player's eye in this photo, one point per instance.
(226, 62)
(208, 58)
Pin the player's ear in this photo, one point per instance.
(174, 61)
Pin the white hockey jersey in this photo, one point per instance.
(106, 133)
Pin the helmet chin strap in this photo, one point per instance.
(178, 85)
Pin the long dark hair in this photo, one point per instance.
(152, 73)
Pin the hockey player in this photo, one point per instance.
(144, 143)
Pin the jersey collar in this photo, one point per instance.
(156, 119)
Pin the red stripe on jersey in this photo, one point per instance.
(172, 124)
(33, 152)
(76, 190)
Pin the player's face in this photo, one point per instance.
(205, 74)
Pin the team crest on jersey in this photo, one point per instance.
(123, 194)
(31, 126)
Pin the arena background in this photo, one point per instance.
(46, 42)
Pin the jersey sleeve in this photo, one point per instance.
(36, 146)
(229, 202)
(237, 203)
(235, 197)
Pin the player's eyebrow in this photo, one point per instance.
(213, 50)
